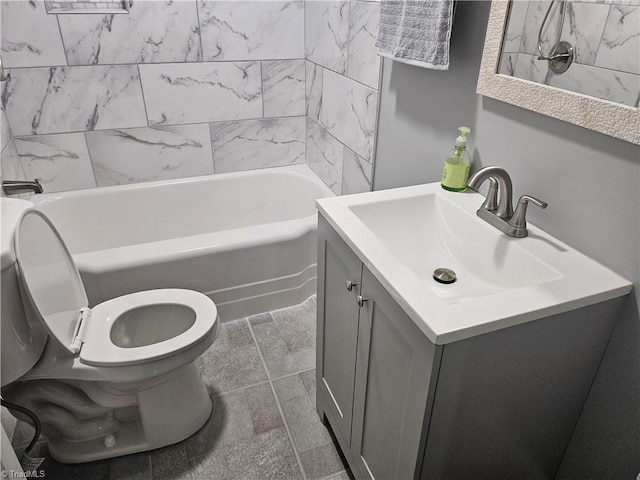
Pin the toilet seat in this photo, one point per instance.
(98, 348)
(53, 286)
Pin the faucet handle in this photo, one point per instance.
(518, 220)
(491, 202)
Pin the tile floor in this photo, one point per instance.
(260, 373)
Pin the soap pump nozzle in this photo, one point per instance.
(461, 141)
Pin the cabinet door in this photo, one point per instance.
(337, 334)
(395, 365)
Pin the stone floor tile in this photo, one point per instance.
(306, 430)
(236, 417)
(131, 467)
(344, 475)
(233, 361)
(170, 463)
(263, 408)
(79, 471)
(287, 342)
(265, 456)
(260, 318)
(321, 462)
(309, 381)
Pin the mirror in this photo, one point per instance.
(572, 96)
(601, 40)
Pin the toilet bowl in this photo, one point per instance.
(117, 378)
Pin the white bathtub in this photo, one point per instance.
(245, 239)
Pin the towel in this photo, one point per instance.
(416, 32)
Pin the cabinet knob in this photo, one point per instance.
(360, 300)
(349, 285)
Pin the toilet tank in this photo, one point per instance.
(22, 336)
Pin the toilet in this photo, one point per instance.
(118, 378)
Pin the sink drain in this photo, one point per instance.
(444, 275)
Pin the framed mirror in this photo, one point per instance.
(612, 118)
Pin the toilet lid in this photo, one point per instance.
(49, 276)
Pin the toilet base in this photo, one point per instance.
(87, 421)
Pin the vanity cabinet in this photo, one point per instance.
(339, 274)
(373, 366)
(394, 370)
(498, 405)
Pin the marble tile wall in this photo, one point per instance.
(342, 73)
(173, 89)
(189, 87)
(606, 40)
(5, 133)
(10, 167)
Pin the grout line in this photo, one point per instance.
(344, 75)
(196, 3)
(262, 87)
(161, 126)
(347, 49)
(93, 170)
(149, 466)
(107, 65)
(255, 340)
(64, 48)
(286, 427)
(601, 39)
(275, 396)
(168, 63)
(291, 374)
(340, 141)
(236, 390)
(334, 475)
(144, 100)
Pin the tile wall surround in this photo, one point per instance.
(606, 40)
(10, 167)
(5, 133)
(189, 87)
(342, 73)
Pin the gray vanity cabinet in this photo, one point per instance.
(373, 366)
(394, 368)
(506, 402)
(337, 330)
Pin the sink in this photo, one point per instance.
(429, 231)
(402, 235)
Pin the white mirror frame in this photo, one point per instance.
(614, 119)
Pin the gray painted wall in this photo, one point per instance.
(590, 181)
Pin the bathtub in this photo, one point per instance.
(245, 239)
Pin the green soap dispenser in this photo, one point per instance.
(457, 165)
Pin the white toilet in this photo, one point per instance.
(114, 379)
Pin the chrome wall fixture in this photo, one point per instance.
(87, 6)
(15, 187)
(561, 55)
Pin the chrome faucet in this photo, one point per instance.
(499, 180)
(14, 187)
(498, 211)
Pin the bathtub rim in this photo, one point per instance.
(301, 170)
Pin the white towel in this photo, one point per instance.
(416, 32)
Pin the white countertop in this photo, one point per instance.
(577, 280)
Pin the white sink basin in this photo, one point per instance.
(429, 231)
(402, 235)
